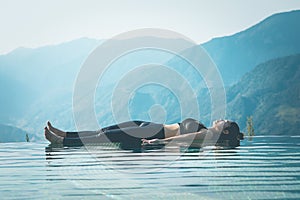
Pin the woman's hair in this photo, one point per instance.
(232, 139)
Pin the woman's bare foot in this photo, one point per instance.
(54, 139)
(56, 131)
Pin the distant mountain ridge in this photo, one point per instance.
(276, 36)
(33, 74)
(271, 94)
(37, 84)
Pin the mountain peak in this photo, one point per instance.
(276, 36)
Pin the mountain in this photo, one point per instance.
(36, 85)
(271, 94)
(12, 134)
(276, 36)
(33, 80)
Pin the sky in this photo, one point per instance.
(35, 23)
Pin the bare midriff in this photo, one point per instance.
(171, 130)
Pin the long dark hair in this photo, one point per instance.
(232, 139)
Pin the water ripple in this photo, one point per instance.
(262, 168)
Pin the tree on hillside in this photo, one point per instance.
(27, 138)
(250, 128)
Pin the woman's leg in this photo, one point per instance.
(92, 133)
(71, 134)
(129, 137)
(124, 125)
(82, 134)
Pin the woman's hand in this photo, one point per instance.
(153, 141)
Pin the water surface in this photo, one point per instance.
(262, 168)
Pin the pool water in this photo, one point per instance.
(266, 167)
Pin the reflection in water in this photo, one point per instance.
(264, 168)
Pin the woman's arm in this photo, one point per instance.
(194, 137)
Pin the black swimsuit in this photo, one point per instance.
(190, 125)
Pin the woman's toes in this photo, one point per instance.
(49, 124)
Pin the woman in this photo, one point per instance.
(132, 134)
